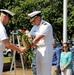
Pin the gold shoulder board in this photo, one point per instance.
(44, 23)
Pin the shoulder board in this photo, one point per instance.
(44, 23)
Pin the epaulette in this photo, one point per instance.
(44, 23)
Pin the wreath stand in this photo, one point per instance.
(14, 52)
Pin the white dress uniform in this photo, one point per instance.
(45, 47)
(3, 36)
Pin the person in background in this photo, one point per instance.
(72, 50)
(66, 60)
(33, 65)
(43, 33)
(70, 46)
(5, 17)
(56, 59)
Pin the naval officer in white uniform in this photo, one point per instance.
(43, 33)
(5, 17)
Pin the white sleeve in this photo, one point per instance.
(3, 35)
(45, 29)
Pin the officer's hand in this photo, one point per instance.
(33, 46)
(23, 50)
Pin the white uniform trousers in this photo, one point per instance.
(44, 60)
(1, 62)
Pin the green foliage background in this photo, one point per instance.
(52, 11)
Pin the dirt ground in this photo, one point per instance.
(19, 71)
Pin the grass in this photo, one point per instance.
(7, 59)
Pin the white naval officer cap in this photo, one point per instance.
(7, 12)
(33, 15)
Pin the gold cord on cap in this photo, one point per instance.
(32, 19)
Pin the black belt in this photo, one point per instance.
(53, 64)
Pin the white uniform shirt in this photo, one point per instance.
(45, 29)
(3, 36)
